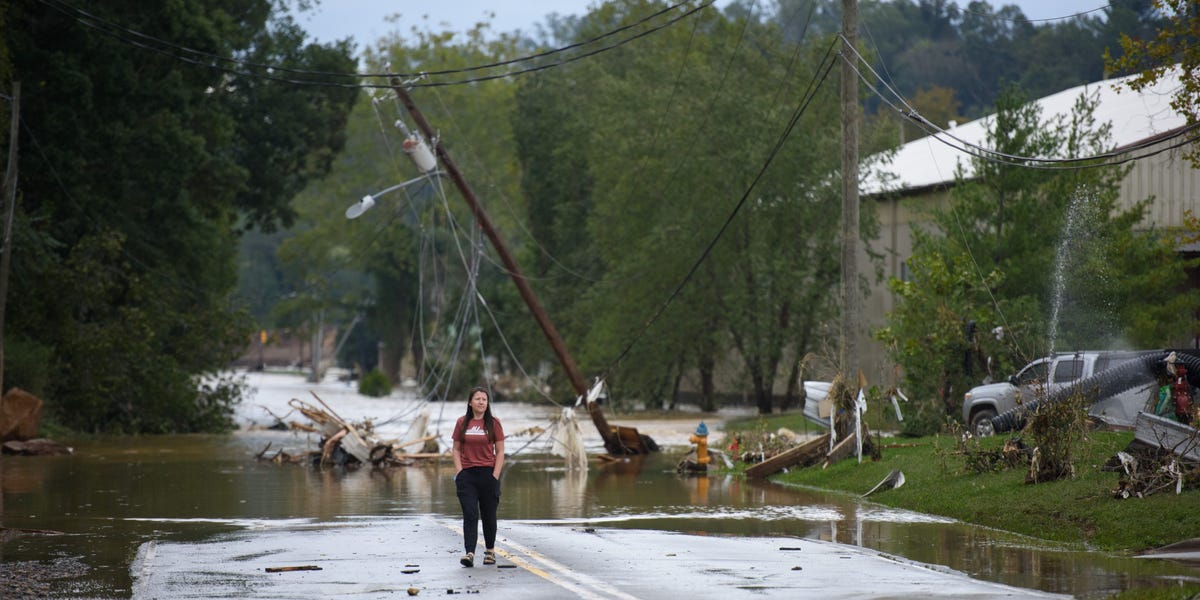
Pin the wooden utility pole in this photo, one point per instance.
(848, 362)
(9, 193)
(617, 440)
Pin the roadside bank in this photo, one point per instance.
(1080, 511)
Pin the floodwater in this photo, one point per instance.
(115, 494)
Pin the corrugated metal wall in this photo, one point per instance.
(1171, 180)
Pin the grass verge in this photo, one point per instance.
(1079, 511)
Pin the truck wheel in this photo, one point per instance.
(981, 422)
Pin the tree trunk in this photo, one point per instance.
(762, 401)
(708, 401)
(793, 387)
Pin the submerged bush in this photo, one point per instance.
(374, 384)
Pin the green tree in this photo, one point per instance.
(687, 117)
(402, 263)
(1176, 43)
(143, 157)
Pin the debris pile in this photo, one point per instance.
(849, 437)
(1164, 455)
(756, 447)
(347, 444)
(1148, 472)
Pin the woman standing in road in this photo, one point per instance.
(478, 461)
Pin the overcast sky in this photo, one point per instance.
(366, 20)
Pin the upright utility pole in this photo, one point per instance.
(9, 193)
(848, 362)
(625, 440)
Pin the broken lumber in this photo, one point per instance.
(330, 444)
(807, 452)
(297, 568)
(843, 449)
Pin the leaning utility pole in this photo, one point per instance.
(848, 359)
(9, 193)
(617, 440)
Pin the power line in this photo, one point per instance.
(212, 61)
(967, 11)
(65, 7)
(1121, 155)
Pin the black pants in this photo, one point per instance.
(479, 495)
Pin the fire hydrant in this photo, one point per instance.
(700, 439)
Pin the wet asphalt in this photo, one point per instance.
(419, 556)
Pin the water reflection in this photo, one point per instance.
(115, 494)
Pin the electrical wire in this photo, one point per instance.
(967, 11)
(712, 101)
(68, 8)
(569, 60)
(1104, 159)
(979, 271)
(478, 250)
(912, 114)
(115, 31)
(1122, 155)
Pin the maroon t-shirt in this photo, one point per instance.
(476, 450)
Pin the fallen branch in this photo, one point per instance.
(327, 451)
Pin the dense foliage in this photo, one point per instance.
(974, 48)
(144, 152)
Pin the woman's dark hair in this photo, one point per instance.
(461, 434)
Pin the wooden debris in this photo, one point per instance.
(414, 442)
(841, 450)
(348, 444)
(1146, 470)
(20, 415)
(804, 455)
(330, 445)
(35, 447)
(8, 533)
(296, 568)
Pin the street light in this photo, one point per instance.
(358, 208)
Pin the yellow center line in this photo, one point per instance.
(582, 585)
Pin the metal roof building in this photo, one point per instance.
(919, 175)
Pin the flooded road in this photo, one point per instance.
(114, 495)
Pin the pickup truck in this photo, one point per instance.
(1051, 373)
